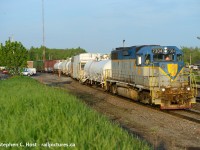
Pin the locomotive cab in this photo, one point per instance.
(169, 86)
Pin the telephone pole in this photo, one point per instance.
(43, 55)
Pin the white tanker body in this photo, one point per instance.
(57, 66)
(63, 66)
(78, 63)
(68, 68)
(97, 71)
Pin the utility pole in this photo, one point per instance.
(43, 30)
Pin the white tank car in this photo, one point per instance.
(57, 66)
(62, 66)
(97, 71)
(78, 63)
(69, 68)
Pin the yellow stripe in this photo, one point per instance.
(169, 76)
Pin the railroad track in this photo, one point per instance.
(191, 115)
(193, 111)
(187, 114)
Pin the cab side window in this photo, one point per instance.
(147, 59)
(179, 57)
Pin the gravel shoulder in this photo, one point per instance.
(162, 130)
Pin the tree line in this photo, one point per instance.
(14, 55)
(35, 53)
(191, 54)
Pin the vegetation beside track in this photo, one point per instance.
(34, 113)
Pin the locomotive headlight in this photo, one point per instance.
(188, 88)
(165, 50)
(163, 89)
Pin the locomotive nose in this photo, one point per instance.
(169, 69)
(172, 69)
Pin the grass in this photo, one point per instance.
(34, 113)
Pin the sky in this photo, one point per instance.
(102, 25)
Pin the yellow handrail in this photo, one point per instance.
(193, 83)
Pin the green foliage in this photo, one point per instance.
(13, 56)
(53, 54)
(35, 113)
(193, 52)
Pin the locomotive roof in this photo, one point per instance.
(138, 47)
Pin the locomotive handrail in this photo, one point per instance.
(193, 83)
(151, 79)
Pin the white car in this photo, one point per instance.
(29, 71)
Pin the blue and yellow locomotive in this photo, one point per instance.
(151, 74)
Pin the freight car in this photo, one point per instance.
(151, 74)
(39, 65)
(42, 66)
(78, 63)
(95, 72)
(66, 67)
(49, 65)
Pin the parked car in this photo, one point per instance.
(5, 71)
(29, 71)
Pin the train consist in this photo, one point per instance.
(151, 74)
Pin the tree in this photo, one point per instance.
(53, 53)
(193, 53)
(13, 56)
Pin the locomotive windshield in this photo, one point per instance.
(163, 57)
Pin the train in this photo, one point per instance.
(150, 74)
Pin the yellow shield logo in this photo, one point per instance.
(172, 69)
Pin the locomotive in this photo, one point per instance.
(151, 74)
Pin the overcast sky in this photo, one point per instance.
(101, 25)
